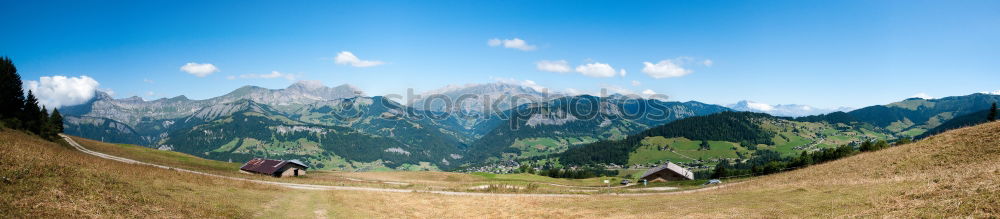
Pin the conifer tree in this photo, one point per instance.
(30, 114)
(44, 126)
(56, 120)
(993, 113)
(11, 93)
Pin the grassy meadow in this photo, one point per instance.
(953, 174)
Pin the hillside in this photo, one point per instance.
(703, 141)
(966, 120)
(531, 130)
(252, 132)
(914, 116)
(952, 174)
(42, 179)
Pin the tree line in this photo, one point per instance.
(21, 112)
(768, 161)
(572, 173)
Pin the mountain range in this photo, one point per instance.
(339, 127)
(342, 128)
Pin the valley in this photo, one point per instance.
(918, 179)
(513, 109)
(337, 128)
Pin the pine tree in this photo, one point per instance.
(720, 170)
(56, 120)
(993, 113)
(11, 92)
(30, 114)
(45, 128)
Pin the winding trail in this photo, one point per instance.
(368, 189)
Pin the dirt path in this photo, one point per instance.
(367, 189)
(587, 187)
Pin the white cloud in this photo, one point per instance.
(597, 70)
(996, 92)
(665, 69)
(791, 110)
(199, 69)
(648, 92)
(515, 43)
(707, 63)
(273, 74)
(147, 80)
(348, 58)
(560, 66)
(636, 83)
(922, 95)
(150, 93)
(525, 83)
(622, 72)
(531, 84)
(59, 91)
(759, 106)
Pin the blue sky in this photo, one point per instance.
(820, 53)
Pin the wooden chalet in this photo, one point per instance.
(275, 168)
(667, 172)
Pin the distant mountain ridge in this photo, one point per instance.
(787, 110)
(340, 128)
(913, 116)
(579, 117)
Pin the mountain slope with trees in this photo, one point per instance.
(724, 126)
(962, 121)
(580, 116)
(911, 117)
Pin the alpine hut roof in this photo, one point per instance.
(669, 169)
(270, 167)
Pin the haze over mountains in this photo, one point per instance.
(789, 110)
(342, 128)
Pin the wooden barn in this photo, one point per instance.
(667, 172)
(275, 168)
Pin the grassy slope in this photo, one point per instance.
(417, 180)
(786, 141)
(50, 180)
(956, 173)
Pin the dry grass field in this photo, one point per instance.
(441, 181)
(953, 174)
(41, 179)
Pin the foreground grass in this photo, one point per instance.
(43, 179)
(954, 174)
(406, 180)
